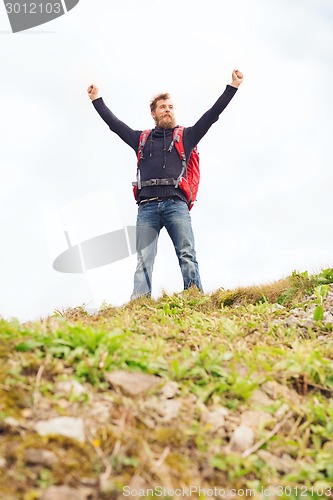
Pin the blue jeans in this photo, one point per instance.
(174, 215)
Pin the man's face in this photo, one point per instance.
(164, 114)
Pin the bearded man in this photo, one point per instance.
(162, 204)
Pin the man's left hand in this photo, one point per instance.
(237, 78)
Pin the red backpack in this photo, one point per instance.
(189, 177)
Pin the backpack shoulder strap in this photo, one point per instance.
(177, 140)
(142, 141)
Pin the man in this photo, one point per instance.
(164, 205)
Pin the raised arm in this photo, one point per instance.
(197, 131)
(126, 133)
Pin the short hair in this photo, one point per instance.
(159, 97)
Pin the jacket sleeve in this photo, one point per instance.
(197, 131)
(128, 135)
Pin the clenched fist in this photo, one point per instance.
(237, 78)
(93, 92)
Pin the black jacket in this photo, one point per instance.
(158, 162)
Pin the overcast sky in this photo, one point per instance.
(264, 206)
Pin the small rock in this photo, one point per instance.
(3, 462)
(215, 419)
(260, 398)
(64, 426)
(169, 390)
(309, 323)
(71, 387)
(12, 422)
(272, 389)
(284, 464)
(256, 419)
(67, 493)
(291, 321)
(40, 457)
(132, 384)
(328, 315)
(277, 307)
(242, 439)
(27, 413)
(165, 409)
(276, 391)
(89, 481)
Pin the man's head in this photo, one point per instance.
(162, 111)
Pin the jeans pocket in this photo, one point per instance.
(178, 200)
(142, 207)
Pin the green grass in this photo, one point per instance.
(224, 350)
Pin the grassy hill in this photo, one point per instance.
(223, 395)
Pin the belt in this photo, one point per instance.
(154, 199)
(157, 182)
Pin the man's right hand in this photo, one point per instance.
(93, 92)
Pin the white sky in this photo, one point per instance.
(264, 205)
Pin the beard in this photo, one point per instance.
(166, 122)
